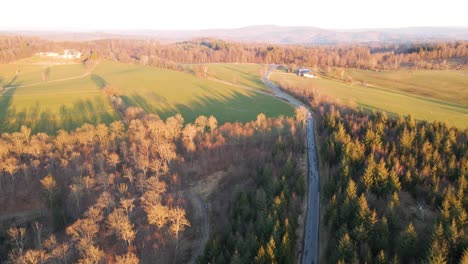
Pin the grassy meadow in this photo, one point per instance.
(245, 74)
(431, 103)
(66, 104)
(32, 74)
(168, 92)
(448, 86)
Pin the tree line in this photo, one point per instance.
(444, 55)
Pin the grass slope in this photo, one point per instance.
(449, 86)
(49, 106)
(32, 73)
(169, 92)
(245, 74)
(392, 100)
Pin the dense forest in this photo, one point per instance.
(262, 221)
(119, 193)
(450, 55)
(395, 189)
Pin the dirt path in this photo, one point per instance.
(204, 227)
(311, 229)
(23, 216)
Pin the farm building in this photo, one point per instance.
(48, 54)
(304, 72)
(71, 54)
(67, 54)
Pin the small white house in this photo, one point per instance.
(308, 75)
(51, 54)
(71, 54)
(67, 54)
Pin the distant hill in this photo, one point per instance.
(273, 34)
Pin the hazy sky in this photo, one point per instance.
(202, 14)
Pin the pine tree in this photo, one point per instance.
(381, 179)
(364, 211)
(351, 190)
(381, 259)
(271, 251)
(408, 244)
(261, 255)
(395, 184)
(346, 248)
(367, 180)
(439, 246)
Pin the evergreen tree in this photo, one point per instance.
(408, 244)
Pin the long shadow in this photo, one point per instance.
(43, 119)
(98, 80)
(5, 103)
(226, 108)
(14, 82)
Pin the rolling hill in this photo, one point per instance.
(270, 34)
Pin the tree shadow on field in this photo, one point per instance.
(98, 80)
(14, 82)
(5, 102)
(43, 119)
(232, 107)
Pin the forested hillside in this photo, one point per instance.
(395, 190)
(120, 192)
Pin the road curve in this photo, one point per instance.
(311, 229)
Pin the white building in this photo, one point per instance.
(67, 54)
(306, 73)
(51, 54)
(71, 54)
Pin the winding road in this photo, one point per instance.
(311, 229)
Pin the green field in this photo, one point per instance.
(448, 86)
(245, 74)
(67, 104)
(31, 74)
(391, 98)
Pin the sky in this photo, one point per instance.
(89, 15)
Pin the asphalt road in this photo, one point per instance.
(311, 230)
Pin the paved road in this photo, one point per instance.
(311, 238)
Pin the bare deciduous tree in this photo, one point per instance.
(48, 182)
(129, 258)
(120, 224)
(18, 234)
(157, 214)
